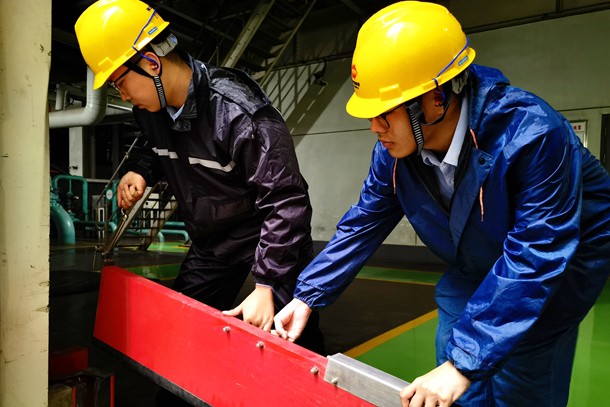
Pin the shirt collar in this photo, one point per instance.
(173, 112)
(453, 154)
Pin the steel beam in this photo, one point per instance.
(246, 35)
(211, 359)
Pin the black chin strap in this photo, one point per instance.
(160, 91)
(156, 79)
(416, 116)
(415, 126)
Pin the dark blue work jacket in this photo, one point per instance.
(529, 220)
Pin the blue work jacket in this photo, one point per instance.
(529, 221)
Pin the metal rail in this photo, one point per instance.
(141, 224)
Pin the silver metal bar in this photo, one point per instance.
(116, 172)
(367, 382)
(256, 19)
(126, 220)
(279, 55)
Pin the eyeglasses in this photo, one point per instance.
(115, 83)
(131, 65)
(382, 119)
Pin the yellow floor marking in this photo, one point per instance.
(384, 337)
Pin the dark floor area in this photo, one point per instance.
(367, 309)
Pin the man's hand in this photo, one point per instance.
(440, 387)
(130, 189)
(291, 320)
(257, 308)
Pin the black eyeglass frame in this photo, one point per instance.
(114, 82)
(131, 65)
(383, 116)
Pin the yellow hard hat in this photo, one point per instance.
(110, 32)
(402, 52)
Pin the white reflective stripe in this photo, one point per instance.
(212, 164)
(164, 152)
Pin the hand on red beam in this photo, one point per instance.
(257, 308)
(291, 320)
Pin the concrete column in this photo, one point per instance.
(25, 47)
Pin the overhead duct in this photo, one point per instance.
(93, 111)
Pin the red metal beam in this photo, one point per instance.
(195, 349)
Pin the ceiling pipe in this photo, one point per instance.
(93, 111)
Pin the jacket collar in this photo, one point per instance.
(484, 84)
(189, 111)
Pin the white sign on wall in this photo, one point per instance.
(580, 128)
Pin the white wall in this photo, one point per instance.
(564, 60)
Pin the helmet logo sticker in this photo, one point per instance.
(354, 74)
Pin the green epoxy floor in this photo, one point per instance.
(411, 353)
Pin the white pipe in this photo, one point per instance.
(60, 98)
(90, 114)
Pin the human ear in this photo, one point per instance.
(152, 61)
(439, 97)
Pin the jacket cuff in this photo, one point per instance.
(469, 366)
(310, 295)
(144, 173)
(264, 282)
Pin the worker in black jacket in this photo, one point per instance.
(224, 150)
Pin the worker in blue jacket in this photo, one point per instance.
(496, 184)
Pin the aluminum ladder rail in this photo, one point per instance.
(142, 223)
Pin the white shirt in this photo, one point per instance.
(173, 112)
(445, 170)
